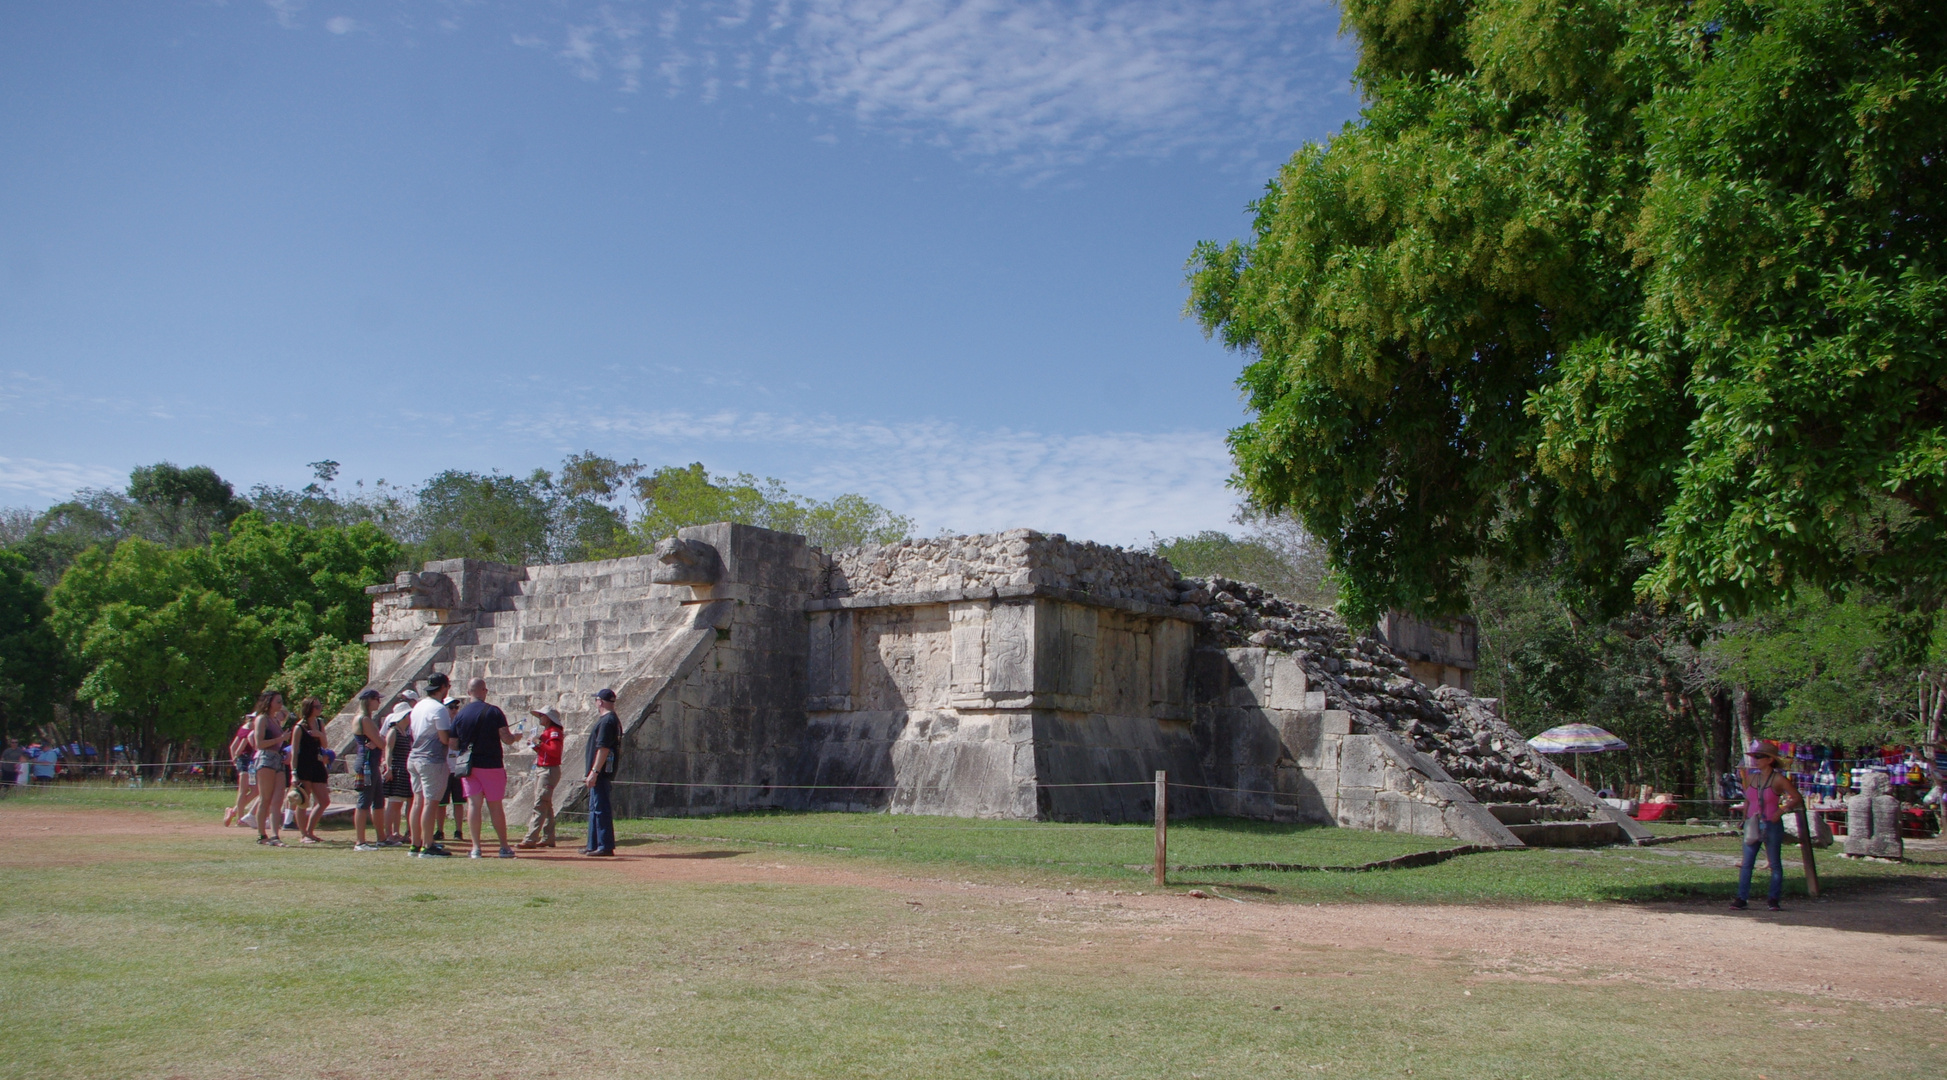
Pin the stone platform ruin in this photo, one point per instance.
(1014, 675)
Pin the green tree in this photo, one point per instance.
(483, 516)
(1652, 286)
(590, 520)
(34, 669)
(1831, 671)
(1277, 555)
(157, 650)
(180, 507)
(299, 582)
(676, 497)
(330, 670)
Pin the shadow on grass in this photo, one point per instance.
(1910, 905)
(697, 854)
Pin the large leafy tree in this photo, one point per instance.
(1651, 286)
(300, 583)
(159, 651)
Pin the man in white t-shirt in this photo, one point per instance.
(432, 734)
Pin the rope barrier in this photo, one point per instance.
(66, 764)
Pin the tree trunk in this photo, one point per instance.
(1747, 719)
(151, 751)
(1721, 720)
(1933, 701)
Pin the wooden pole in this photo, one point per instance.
(1805, 853)
(1162, 825)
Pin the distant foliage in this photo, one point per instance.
(483, 516)
(1276, 554)
(331, 670)
(673, 498)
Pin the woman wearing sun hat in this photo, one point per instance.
(547, 775)
(1769, 795)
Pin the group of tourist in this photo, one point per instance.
(25, 765)
(428, 754)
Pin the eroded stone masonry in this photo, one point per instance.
(1015, 675)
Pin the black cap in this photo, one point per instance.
(604, 694)
(437, 679)
(369, 694)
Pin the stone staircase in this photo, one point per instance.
(564, 632)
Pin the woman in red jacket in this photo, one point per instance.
(547, 768)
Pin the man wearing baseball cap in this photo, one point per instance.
(432, 736)
(547, 773)
(604, 742)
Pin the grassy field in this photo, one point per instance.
(198, 954)
(1031, 851)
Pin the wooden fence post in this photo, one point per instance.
(1163, 825)
(1805, 853)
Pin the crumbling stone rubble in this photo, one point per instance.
(1363, 677)
(1017, 558)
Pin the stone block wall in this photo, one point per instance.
(1283, 756)
(1026, 706)
(1017, 675)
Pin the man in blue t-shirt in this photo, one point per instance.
(604, 742)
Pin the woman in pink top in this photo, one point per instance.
(243, 754)
(1769, 795)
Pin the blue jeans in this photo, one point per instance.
(601, 817)
(1772, 834)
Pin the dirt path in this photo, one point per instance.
(1887, 947)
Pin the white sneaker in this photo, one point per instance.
(365, 847)
(248, 821)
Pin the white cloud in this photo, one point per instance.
(285, 11)
(53, 480)
(1117, 487)
(1034, 83)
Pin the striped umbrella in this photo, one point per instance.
(1576, 739)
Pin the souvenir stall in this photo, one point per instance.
(1827, 776)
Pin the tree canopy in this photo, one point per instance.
(157, 648)
(33, 668)
(1654, 287)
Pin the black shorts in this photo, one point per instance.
(455, 794)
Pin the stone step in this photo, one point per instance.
(1570, 834)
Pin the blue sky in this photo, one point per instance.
(924, 250)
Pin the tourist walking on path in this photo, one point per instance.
(547, 774)
(604, 742)
(371, 790)
(308, 766)
(267, 737)
(432, 733)
(481, 731)
(1769, 795)
(397, 733)
(243, 756)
